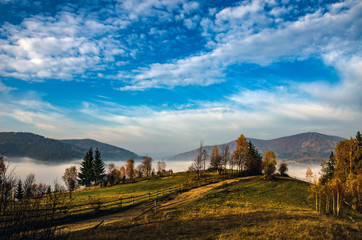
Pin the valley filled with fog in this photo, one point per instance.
(47, 173)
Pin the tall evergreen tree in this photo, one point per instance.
(359, 139)
(254, 160)
(19, 194)
(99, 170)
(327, 170)
(86, 174)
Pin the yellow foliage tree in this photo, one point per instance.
(240, 154)
(269, 163)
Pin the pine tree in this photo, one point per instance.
(19, 190)
(359, 139)
(99, 170)
(86, 174)
(254, 160)
(327, 170)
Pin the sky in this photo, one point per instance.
(156, 76)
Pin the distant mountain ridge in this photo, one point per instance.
(21, 144)
(304, 147)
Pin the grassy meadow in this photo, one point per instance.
(249, 209)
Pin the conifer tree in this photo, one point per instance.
(19, 190)
(327, 170)
(99, 170)
(86, 174)
(254, 160)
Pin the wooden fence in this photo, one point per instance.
(60, 211)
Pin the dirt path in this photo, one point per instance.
(181, 199)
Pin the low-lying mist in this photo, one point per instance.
(47, 173)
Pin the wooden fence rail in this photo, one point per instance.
(61, 212)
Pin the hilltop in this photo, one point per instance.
(20, 144)
(310, 147)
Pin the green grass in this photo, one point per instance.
(105, 194)
(250, 209)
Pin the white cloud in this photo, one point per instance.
(313, 35)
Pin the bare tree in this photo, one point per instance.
(200, 160)
(7, 184)
(161, 167)
(225, 157)
(70, 179)
(29, 185)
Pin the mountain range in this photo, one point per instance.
(310, 147)
(20, 144)
(305, 148)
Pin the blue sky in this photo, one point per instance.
(156, 76)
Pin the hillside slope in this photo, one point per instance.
(19, 144)
(108, 151)
(309, 146)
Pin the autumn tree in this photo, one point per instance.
(283, 168)
(147, 166)
(70, 179)
(254, 160)
(99, 170)
(215, 159)
(86, 174)
(161, 167)
(269, 163)
(122, 172)
(240, 154)
(130, 169)
(349, 169)
(225, 157)
(309, 175)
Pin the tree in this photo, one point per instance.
(122, 172)
(161, 167)
(19, 194)
(70, 179)
(349, 170)
(86, 174)
(7, 183)
(309, 175)
(254, 160)
(240, 154)
(225, 157)
(215, 159)
(28, 185)
(147, 166)
(327, 170)
(359, 139)
(200, 159)
(130, 169)
(269, 163)
(283, 168)
(99, 171)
